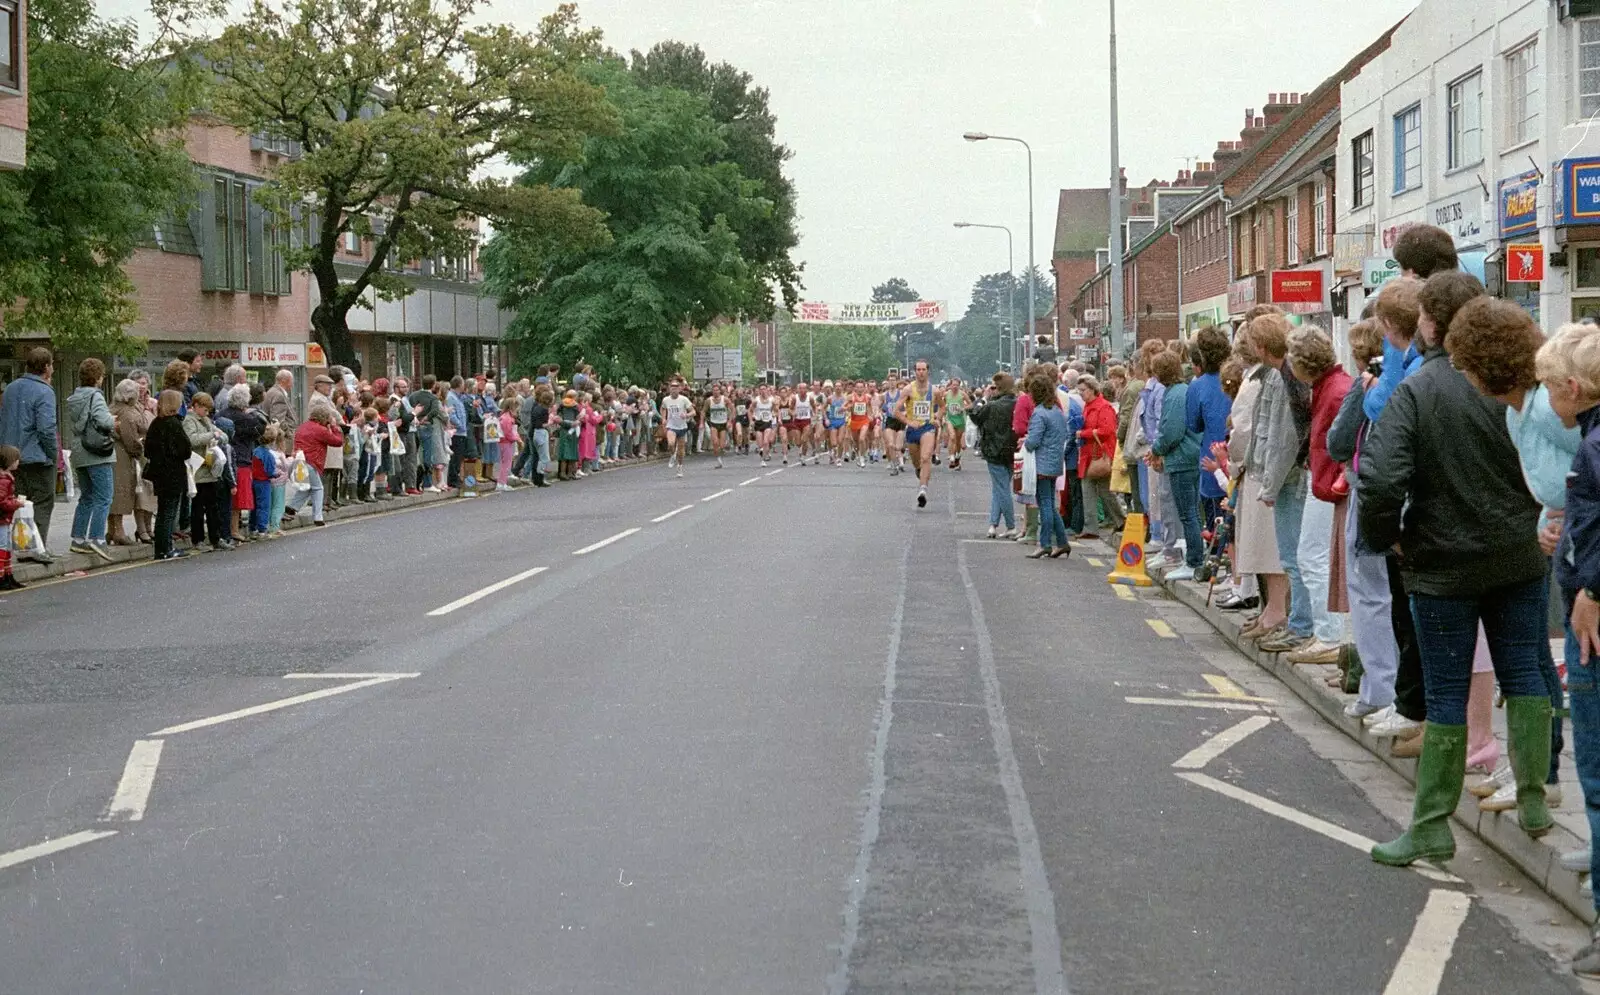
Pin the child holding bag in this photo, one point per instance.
(10, 456)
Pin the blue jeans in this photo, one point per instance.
(1286, 516)
(1186, 492)
(94, 502)
(1052, 530)
(1583, 692)
(1000, 503)
(1513, 620)
(313, 495)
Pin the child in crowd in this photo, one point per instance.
(263, 468)
(367, 441)
(508, 436)
(588, 448)
(10, 456)
(489, 413)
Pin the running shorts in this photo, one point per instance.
(914, 433)
(857, 424)
(800, 424)
(894, 424)
(834, 424)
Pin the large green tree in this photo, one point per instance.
(398, 107)
(679, 208)
(851, 352)
(913, 342)
(105, 162)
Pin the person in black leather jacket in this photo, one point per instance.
(997, 444)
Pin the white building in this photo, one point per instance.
(1480, 118)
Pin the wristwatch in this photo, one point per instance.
(1593, 594)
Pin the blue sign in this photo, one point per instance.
(1519, 205)
(1577, 200)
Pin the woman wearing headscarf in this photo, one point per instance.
(132, 421)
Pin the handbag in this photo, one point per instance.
(99, 444)
(1099, 468)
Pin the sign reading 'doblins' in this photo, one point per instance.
(888, 313)
(1297, 286)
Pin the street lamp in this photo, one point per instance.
(1011, 297)
(979, 136)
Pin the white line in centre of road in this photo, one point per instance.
(713, 497)
(48, 847)
(779, 470)
(479, 595)
(675, 511)
(1422, 964)
(603, 543)
(273, 706)
(138, 777)
(747, 483)
(335, 675)
(1219, 744)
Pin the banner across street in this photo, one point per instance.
(892, 313)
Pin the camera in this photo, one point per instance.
(1375, 366)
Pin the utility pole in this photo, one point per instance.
(1116, 317)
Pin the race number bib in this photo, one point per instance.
(740, 410)
(922, 410)
(859, 408)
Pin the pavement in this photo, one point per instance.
(750, 730)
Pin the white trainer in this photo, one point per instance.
(1394, 725)
(1505, 798)
(994, 531)
(1378, 716)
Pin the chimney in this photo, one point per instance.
(1279, 106)
(1254, 128)
(1203, 176)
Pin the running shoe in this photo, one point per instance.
(922, 497)
(994, 531)
(719, 462)
(862, 463)
(672, 461)
(680, 473)
(763, 463)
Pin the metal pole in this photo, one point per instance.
(811, 347)
(1115, 194)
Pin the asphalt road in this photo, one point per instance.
(796, 737)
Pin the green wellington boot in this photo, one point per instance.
(1528, 730)
(1440, 773)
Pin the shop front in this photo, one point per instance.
(1303, 293)
(1518, 202)
(1576, 216)
(1196, 315)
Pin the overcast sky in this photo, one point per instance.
(874, 95)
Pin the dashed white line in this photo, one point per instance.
(779, 470)
(675, 511)
(712, 497)
(747, 483)
(138, 777)
(49, 847)
(479, 595)
(273, 706)
(1219, 744)
(603, 543)
(1422, 964)
(338, 675)
(1223, 706)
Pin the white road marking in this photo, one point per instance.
(138, 777)
(1161, 628)
(747, 483)
(336, 675)
(712, 497)
(1422, 964)
(779, 470)
(1219, 744)
(479, 595)
(603, 543)
(1224, 706)
(273, 706)
(1338, 834)
(675, 511)
(48, 847)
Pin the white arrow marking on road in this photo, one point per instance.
(273, 706)
(713, 497)
(747, 483)
(1422, 965)
(1338, 834)
(138, 777)
(675, 511)
(485, 592)
(603, 543)
(1219, 744)
(48, 847)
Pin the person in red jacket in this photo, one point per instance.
(1020, 416)
(1099, 435)
(1312, 359)
(10, 456)
(312, 440)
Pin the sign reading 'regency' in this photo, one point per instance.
(1297, 286)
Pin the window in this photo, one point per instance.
(1522, 94)
(1466, 121)
(226, 262)
(1408, 149)
(352, 243)
(10, 44)
(1319, 218)
(1362, 171)
(1291, 226)
(241, 245)
(1588, 67)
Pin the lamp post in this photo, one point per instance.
(1011, 271)
(1115, 317)
(978, 136)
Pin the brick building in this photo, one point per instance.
(13, 83)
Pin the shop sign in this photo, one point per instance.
(1297, 286)
(272, 354)
(1350, 248)
(158, 354)
(1392, 234)
(1080, 335)
(1525, 263)
(314, 355)
(1577, 192)
(1095, 316)
(1519, 204)
(1377, 271)
(1461, 216)
(1242, 295)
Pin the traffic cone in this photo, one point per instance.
(1130, 556)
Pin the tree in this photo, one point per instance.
(914, 342)
(850, 352)
(397, 107)
(727, 336)
(678, 208)
(105, 162)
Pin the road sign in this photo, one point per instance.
(733, 364)
(708, 362)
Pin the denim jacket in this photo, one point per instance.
(1048, 431)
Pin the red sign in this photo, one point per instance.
(1525, 263)
(1297, 286)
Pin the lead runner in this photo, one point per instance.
(921, 408)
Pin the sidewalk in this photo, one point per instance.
(1538, 859)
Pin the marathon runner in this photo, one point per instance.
(837, 404)
(785, 419)
(764, 420)
(894, 428)
(741, 421)
(676, 409)
(860, 425)
(800, 428)
(717, 415)
(920, 408)
(955, 415)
